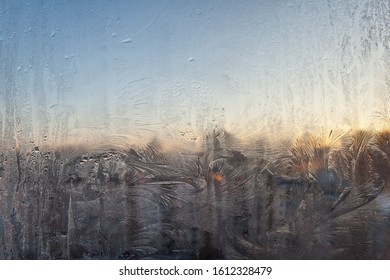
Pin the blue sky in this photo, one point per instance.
(96, 70)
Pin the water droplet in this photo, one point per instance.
(190, 59)
(114, 35)
(53, 34)
(127, 41)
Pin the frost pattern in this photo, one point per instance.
(175, 130)
(324, 198)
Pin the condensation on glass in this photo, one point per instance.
(194, 129)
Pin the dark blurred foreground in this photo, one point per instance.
(318, 198)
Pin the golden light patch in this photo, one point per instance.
(217, 177)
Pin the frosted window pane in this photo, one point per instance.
(194, 129)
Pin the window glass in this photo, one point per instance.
(194, 129)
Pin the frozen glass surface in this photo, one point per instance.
(194, 129)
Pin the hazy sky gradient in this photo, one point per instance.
(98, 70)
